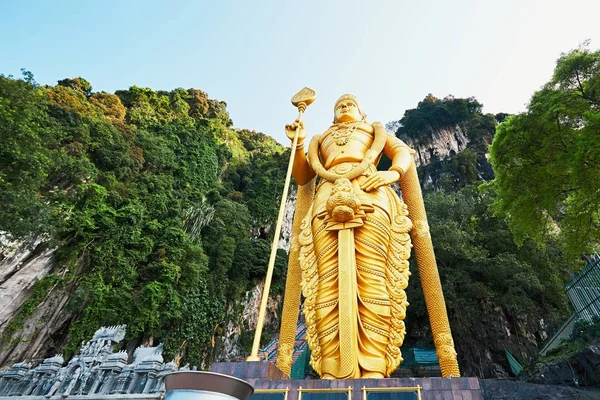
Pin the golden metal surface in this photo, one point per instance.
(285, 392)
(416, 389)
(350, 250)
(325, 390)
(305, 96)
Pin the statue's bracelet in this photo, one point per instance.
(398, 169)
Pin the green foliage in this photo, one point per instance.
(25, 157)
(547, 159)
(110, 104)
(128, 186)
(251, 259)
(472, 242)
(484, 273)
(256, 179)
(78, 84)
(456, 172)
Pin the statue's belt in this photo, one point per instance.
(345, 167)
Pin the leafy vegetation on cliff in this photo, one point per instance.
(141, 191)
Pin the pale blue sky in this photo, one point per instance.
(256, 55)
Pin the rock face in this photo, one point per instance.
(43, 330)
(228, 347)
(481, 346)
(442, 143)
(514, 390)
(288, 218)
(582, 369)
(19, 271)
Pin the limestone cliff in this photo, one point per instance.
(29, 330)
(439, 143)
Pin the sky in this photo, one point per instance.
(255, 55)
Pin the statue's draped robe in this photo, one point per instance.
(354, 277)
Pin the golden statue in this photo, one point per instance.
(350, 250)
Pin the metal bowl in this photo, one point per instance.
(201, 384)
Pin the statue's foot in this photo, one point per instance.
(327, 376)
(372, 375)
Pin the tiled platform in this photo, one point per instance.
(263, 375)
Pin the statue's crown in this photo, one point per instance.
(348, 97)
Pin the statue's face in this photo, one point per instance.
(347, 110)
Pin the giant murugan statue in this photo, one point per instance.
(351, 241)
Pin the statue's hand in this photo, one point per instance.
(290, 131)
(380, 178)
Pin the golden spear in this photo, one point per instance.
(301, 100)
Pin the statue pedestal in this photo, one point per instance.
(250, 370)
(430, 388)
(264, 375)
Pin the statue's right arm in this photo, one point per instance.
(301, 170)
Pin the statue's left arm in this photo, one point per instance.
(399, 152)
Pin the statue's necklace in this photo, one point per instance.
(343, 133)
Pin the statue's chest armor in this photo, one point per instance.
(344, 145)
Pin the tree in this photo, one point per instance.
(79, 84)
(547, 159)
(25, 157)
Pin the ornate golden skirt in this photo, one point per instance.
(354, 278)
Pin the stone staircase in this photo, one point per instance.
(269, 352)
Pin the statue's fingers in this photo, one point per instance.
(368, 182)
(380, 182)
(374, 184)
